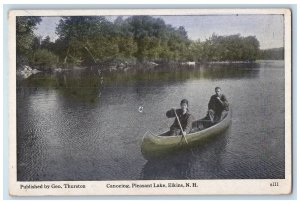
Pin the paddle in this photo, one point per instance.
(180, 127)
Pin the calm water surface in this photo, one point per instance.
(85, 125)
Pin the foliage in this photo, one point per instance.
(85, 39)
(25, 36)
(95, 40)
(225, 48)
(272, 54)
(90, 40)
(155, 40)
(44, 59)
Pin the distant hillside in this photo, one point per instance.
(272, 54)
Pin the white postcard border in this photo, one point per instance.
(198, 187)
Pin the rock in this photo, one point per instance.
(153, 63)
(27, 68)
(121, 65)
(35, 71)
(189, 63)
(27, 71)
(58, 69)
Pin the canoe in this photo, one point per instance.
(158, 144)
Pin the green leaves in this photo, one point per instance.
(44, 59)
(86, 40)
(142, 37)
(272, 54)
(225, 48)
(25, 37)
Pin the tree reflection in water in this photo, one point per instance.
(86, 84)
(82, 85)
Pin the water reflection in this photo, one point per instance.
(63, 125)
(189, 162)
(169, 74)
(82, 85)
(86, 84)
(169, 167)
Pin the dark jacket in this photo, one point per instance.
(217, 105)
(186, 120)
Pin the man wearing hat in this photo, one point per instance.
(184, 117)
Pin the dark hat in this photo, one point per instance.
(184, 101)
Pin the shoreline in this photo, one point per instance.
(27, 70)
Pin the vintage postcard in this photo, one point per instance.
(150, 102)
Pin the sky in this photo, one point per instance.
(268, 29)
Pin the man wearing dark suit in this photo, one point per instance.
(217, 106)
(184, 117)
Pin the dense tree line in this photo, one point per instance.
(89, 40)
(138, 38)
(272, 54)
(225, 48)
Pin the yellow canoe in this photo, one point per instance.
(155, 145)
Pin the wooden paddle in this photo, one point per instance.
(180, 127)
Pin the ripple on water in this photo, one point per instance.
(61, 138)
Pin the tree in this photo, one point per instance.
(36, 43)
(24, 37)
(86, 40)
(272, 54)
(230, 48)
(47, 44)
(195, 51)
(91, 39)
(156, 40)
(82, 33)
(44, 59)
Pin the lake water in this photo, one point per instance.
(86, 125)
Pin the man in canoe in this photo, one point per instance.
(184, 117)
(217, 106)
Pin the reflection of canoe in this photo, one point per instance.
(154, 145)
